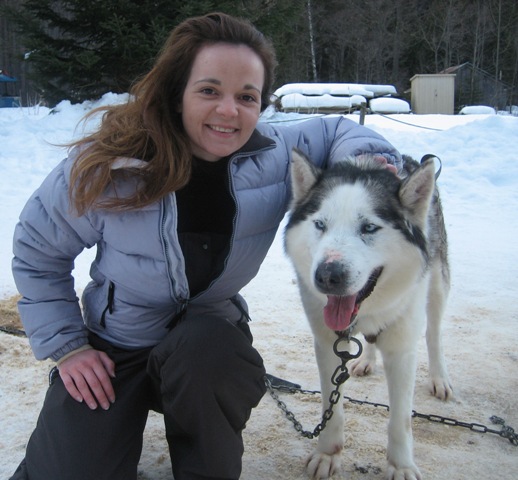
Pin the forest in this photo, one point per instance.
(77, 50)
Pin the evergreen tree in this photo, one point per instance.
(79, 50)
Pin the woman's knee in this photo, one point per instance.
(209, 353)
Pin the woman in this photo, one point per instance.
(181, 191)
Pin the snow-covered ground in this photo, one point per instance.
(479, 186)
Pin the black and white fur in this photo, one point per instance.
(370, 252)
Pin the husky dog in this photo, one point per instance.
(370, 253)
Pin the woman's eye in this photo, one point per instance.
(320, 225)
(249, 98)
(369, 228)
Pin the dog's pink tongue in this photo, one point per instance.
(339, 311)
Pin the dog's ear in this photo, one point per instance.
(417, 189)
(303, 174)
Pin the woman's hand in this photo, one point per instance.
(379, 161)
(86, 376)
(384, 163)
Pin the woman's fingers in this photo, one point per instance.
(86, 376)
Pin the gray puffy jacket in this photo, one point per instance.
(138, 277)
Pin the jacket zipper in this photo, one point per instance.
(109, 305)
(181, 301)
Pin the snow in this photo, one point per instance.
(346, 89)
(297, 101)
(333, 97)
(479, 187)
(389, 105)
(477, 110)
(329, 97)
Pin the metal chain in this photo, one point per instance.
(341, 374)
(12, 331)
(505, 432)
(339, 377)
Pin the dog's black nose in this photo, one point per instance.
(330, 278)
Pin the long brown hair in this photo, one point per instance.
(149, 127)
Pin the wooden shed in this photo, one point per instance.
(474, 86)
(433, 93)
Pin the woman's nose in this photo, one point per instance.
(227, 107)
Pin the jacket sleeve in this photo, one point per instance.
(352, 139)
(333, 139)
(47, 239)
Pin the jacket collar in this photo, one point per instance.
(255, 144)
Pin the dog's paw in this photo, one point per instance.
(407, 473)
(441, 388)
(362, 366)
(321, 465)
(366, 364)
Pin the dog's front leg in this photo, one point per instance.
(326, 459)
(400, 363)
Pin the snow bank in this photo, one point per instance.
(477, 110)
(389, 105)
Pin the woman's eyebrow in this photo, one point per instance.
(249, 86)
(208, 80)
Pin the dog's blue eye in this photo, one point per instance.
(320, 225)
(370, 228)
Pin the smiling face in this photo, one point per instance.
(222, 99)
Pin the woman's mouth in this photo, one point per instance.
(217, 128)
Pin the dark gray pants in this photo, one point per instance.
(205, 377)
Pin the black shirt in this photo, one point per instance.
(206, 211)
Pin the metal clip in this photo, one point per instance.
(345, 355)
